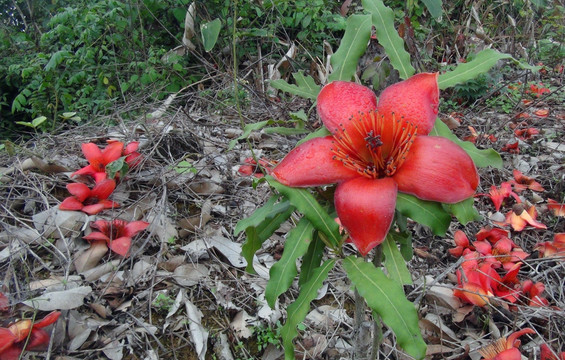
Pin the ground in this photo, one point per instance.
(184, 289)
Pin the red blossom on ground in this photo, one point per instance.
(547, 354)
(116, 234)
(25, 335)
(90, 201)
(526, 134)
(558, 209)
(555, 248)
(505, 348)
(98, 159)
(251, 167)
(522, 182)
(133, 158)
(375, 152)
(475, 283)
(538, 90)
(462, 244)
(542, 112)
(519, 218)
(532, 292)
(512, 148)
(498, 195)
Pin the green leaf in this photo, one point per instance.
(56, 59)
(24, 123)
(284, 271)
(481, 157)
(404, 239)
(383, 19)
(464, 211)
(386, 297)
(210, 32)
(305, 86)
(434, 7)
(117, 166)
(284, 130)
(312, 259)
(353, 45)
(38, 121)
(299, 308)
(395, 263)
(247, 130)
(312, 210)
(464, 72)
(427, 213)
(321, 132)
(261, 225)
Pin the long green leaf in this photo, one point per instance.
(247, 130)
(481, 157)
(259, 215)
(434, 7)
(312, 259)
(386, 297)
(299, 308)
(305, 86)
(427, 213)
(312, 210)
(394, 262)
(404, 239)
(353, 45)
(464, 211)
(383, 19)
(464, 72)
(284, 271)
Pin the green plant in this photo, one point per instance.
(267, 336)
(163, 302)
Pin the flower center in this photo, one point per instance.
(373, 145)
(492, 350)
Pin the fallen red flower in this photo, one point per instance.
(557, 208)
(133, 158)
(555, 248)
(532, 291)
(522, 182)
(497, 195)
(90, 201)
(505, 348)
(251, 167)
(25, 335)
(519, 218)
(98, 159)
(462, 244)
(376, 151)
(511, 148)
(526, 134)
(117, 234)
(547, 354)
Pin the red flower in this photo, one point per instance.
(557, 208)
(522, 182)
(511, 148)
(475, 282)
(98, 159)
(252, 168)
(462, 244)
(133, 158)
(116, 234)
(556, 248)
(526, 134)
(90, 201)
(505, 349)
(497, 195)
(519, 218)
(14, 339)
(547, 354)
(532, 292)
(376, 151)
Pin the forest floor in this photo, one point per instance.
(183, 290)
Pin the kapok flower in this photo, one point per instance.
(512, 148)
(526, 134)
(98, 159)
(497, 195)
(376, 151)
(532, 291)
(475, 283)
(519, 217)
(117, 234)
(554, 248)
(522, 182)
(505, 348)
(14, 339)
(547, 354)
(251, 167)
(557, 208)
(462, 244)
(90, 201)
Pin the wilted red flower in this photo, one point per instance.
(557, 208)
(251, 167)
(547, 354)
(512, 148)
(522, 182)
(462, 244)
(132, 156)
(492, 234)
(539, 90)
(505, 349)
(90, 201)
(532, 292)
(519, 218)
(25, 335)
(116, 234)
(98, 159)
(497, 195)
(526, 134)
(554, 248)
(542, 112)
(376, 151)
(475, 283)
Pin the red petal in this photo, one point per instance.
(340, 100)
(99, 176)
(121, 245)
(134, 227)
(112, 152)
(47, 320)
(437, 169)
(131, 147)
(366, 208)
(87, 170)
(71, 203)
(103, 189)
(97, 236)
(510, 354)
(415, 99)
(79, 190)
(38, 340)
(109, 204)
(7, 338)
(93, 209)
(312, 164)
(94, 156)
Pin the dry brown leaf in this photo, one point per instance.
(90, 258)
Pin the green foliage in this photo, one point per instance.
(427, 213)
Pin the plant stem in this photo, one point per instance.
(359, 317)
(377, 322)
